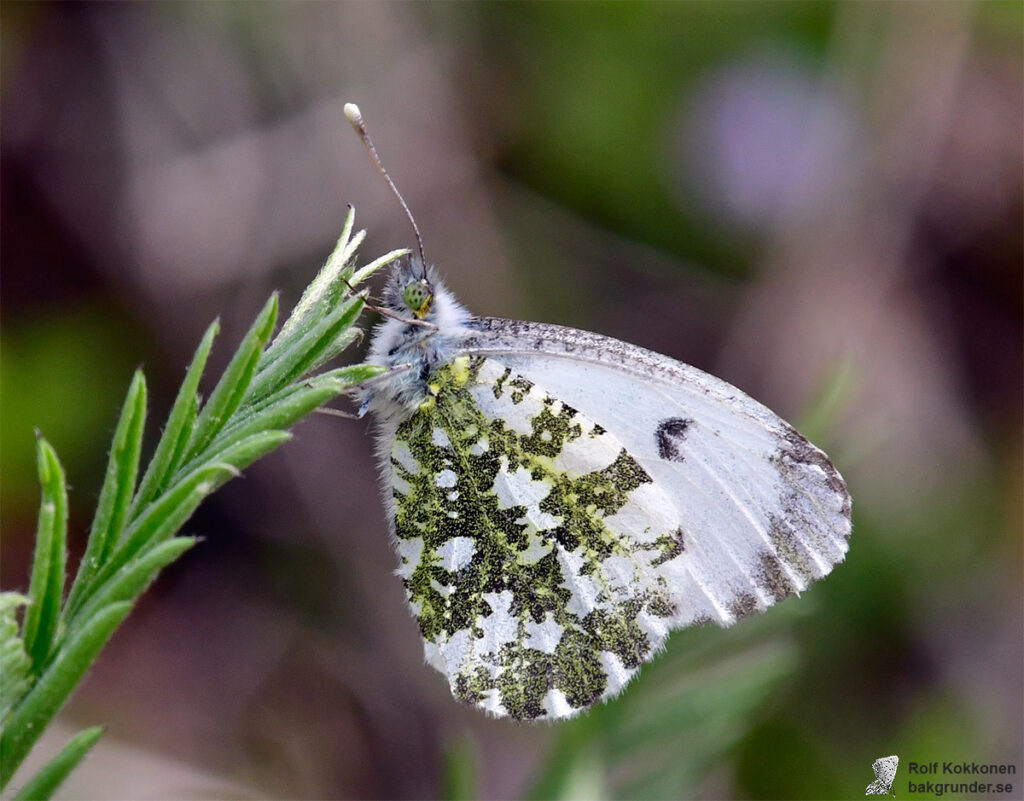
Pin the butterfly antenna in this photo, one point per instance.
(356, 118)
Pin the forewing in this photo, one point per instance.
(543, 563)
(762, 512)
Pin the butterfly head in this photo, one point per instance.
(422, 316)
(418, 296)
(410, 290)
(413, 291)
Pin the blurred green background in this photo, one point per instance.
(819, 202)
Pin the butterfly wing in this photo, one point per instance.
(563, 500)
(762, 511)
(542, 562)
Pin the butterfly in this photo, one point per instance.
(560, 501)
(885, 774)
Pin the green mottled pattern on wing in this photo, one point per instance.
(531, 599)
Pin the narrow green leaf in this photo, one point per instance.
(291, 404)
(243, 453)
(171, 448)
(281, 396)
(30, 718)
(284, 341)
(341, 289)
(355, 374)
(46, 588)
(305, 353)
(123, 467)
(163, 518)
(116, 495)
(365, 272)
(134, 577)
(41, 565)
(334, 347)
(44, 784)
(345, 338)
(328, 276)
(158, 522)
(231, 388)
(15, 666)
(178, 455)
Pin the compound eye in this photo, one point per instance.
(418, 297)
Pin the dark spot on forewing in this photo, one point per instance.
(798, 450)
(744, 605)
(771, 576)
(669, 438)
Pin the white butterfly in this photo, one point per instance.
(885, 774)
(560, 500)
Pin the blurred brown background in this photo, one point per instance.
(819, 202)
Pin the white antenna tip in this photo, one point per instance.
(352, 112)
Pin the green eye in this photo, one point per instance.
(418, 297)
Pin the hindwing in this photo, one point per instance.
(543, 563)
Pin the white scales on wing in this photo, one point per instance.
(772, 512)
